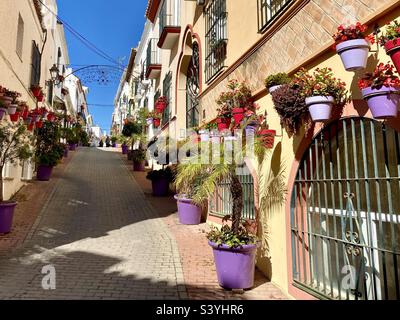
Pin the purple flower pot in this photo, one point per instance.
(44, 173)
(66, 150)
(383, 102)
(138, 166)
(274, 88)
(235, 266)
(188, 212)
(72, 146)
(2, 113)
(320, 107)
(354, 54)
(114, 145)
(6, 216)
(160, 187)
(124, 149)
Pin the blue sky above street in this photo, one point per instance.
(114, 27)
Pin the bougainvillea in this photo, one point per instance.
(352, 32)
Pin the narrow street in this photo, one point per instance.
(107, 241)
(102, 237)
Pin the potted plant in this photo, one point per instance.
(114, 140)
(381, 90)
(189, 213)
(290, 104)
(160, 180)
(36, 90)
(72, 138)
(390, 40)
(321, 91)
(161, 104)
(234, 247)
(14, 145)
(274, 81)
(138, 157)
(156, 119)
(3, 109)
(353, 45)
(49, 150)
(12, 107)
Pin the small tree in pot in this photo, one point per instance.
(15, 144)
(233, 245)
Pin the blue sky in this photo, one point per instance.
(114, 27)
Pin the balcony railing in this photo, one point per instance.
(169, 23)
(153, 61)
(269, 10)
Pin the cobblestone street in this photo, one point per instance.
(105, 241)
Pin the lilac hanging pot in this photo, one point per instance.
(354, 54)
(383, 102)
(274, 88)
(320, 107)
(6, 216)
(3, 111)
(188, 212)
(235, 266)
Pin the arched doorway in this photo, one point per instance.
(193, 89)
(345, 213)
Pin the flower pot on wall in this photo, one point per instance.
(274, 88)
(6, 216)
(383, 102)
(7, 100)
(354, 54)
(39, 124)
(36, 92)
(320, 107)
(267, 137)
(188, 212)
(14, 117)
(156, 122)
(44, 172)
(392, 48)
(3, 111)
(235, 266)
(160, 187)
(12, 109)
(223, 123)
(238, 114)
(160, 106)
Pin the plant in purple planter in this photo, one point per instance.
(381, 90)
(160, 180)
(322, 90)
(15, 144)
(234, 245)
(353, 45)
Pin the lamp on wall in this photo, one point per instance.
(55, 74)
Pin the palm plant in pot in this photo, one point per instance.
(49, 150)
(390, 40)
(322, 91)
(381, 90)
(15, 145)
(353, 45)
(275, 81)
(233, 245)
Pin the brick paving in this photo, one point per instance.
(109, 239)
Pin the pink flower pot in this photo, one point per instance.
(320, 107)
(383, 102)
(392, 48)
(3, 111)
(223, 123)
(354, 54)
(238, 114)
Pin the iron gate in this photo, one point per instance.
(345, 213)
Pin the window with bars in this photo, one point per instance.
(167, 93)
(193, 89)
(20, 36)
(216, 38)
(269, 10)
(345, 213)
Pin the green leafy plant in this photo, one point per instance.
(225, 235)
(166, 173)
(321, 82)
(114, 139)
(49, 150)
(392, 32)
(15, 145)
(138, 155)
(277, 79)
